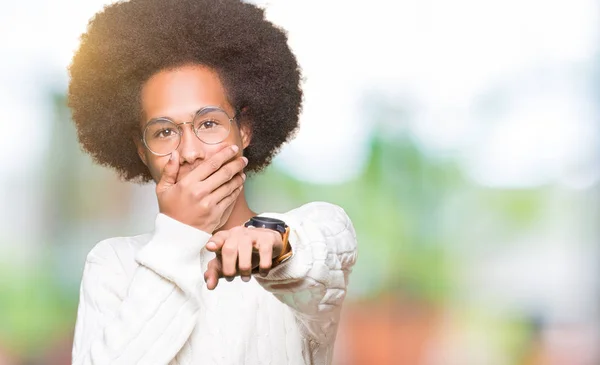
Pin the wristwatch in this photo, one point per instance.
(276, 225)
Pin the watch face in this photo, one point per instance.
(266, 222)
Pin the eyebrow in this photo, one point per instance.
(191, 115)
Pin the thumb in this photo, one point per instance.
(169, 173)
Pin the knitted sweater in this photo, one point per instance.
(143, 299)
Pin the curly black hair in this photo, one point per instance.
(128, 42)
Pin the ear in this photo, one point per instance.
(246, 134)
(141, 149)
(245, 130)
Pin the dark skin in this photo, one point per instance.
(201, 185)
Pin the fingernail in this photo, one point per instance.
(172, 157)
(229, 278)
(243, 176)
(263, 273)
(245, 279)
(235, 148)
(245, 160)
(211, 245)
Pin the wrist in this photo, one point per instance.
(173, 252)
(204, 227)
(278, 226)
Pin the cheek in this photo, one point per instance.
(156, 164)
(210, 150)
(234, 137)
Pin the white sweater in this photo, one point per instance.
(143, 299)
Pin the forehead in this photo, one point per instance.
(178, 93)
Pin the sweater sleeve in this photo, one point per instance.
(147, 317)
(313, 281)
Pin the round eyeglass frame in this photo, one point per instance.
(178, 125)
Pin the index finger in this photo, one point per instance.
(213, 164)
(215, 243)
(213, 273)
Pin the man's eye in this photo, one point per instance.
(165, 133)
(207, 124)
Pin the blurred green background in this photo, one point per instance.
(461, 137)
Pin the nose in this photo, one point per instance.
(190, 148)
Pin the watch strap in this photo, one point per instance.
(286, 250)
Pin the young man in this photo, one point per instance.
(190, 94)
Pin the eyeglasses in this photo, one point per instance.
(210, 124)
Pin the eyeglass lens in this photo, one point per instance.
(211, 125)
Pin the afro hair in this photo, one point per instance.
(128, 42)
